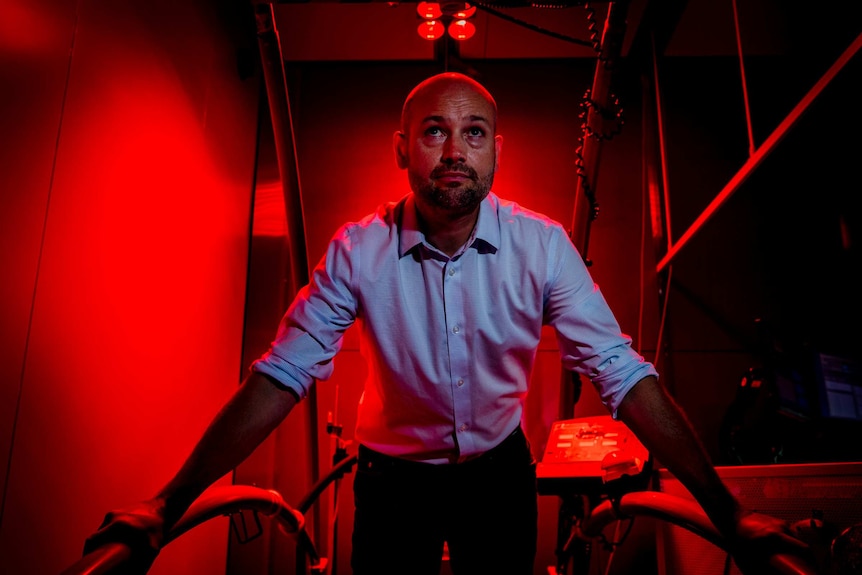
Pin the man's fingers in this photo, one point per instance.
(140, 530)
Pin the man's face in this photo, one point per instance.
(449, 147)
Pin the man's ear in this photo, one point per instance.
(399, 145)
(498, 147)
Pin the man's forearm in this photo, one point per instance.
(255, 410)
(662, 427)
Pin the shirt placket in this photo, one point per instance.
(457, 341)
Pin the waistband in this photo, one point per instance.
(515, 444)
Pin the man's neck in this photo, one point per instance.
(445, 231)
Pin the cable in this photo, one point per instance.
(533, 27)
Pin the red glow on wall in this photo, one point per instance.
(25, 28)
(270, 217)
(134, 149)
(144, 220)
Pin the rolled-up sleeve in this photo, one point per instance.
(311, 331)
(590, 339)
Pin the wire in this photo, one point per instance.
(616, 114)
(533, 27)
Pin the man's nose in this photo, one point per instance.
(453, 150)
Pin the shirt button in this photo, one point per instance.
(463, 427)
(451, 271)
(460, 382)
(456, 329)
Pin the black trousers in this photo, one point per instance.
(484, 509)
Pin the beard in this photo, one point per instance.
(460, 198)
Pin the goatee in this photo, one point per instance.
(461, 198)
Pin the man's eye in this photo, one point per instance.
(433, 131)
(476, 132)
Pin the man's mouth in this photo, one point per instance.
(450, 176)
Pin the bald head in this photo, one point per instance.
(442, 83)
(449, 145)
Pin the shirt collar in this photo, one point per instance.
(486, 236)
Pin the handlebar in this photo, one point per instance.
(678, 511)
(101, 561)
(226, 500)
(214, 502)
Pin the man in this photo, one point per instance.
(452, 286)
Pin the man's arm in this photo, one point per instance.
(661, 425)
(652, 414)
(257, 407)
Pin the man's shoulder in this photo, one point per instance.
(382, 220)
(509, 211)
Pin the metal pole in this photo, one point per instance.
(285, 146)
(761, 153)
(601, 100)
(586, 207)
(744, 84)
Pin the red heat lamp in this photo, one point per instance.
(451, 17)
(431, 29)
(461, 29)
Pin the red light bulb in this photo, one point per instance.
(467, 12)
(462, 29)
(429, 10)
(431, 29)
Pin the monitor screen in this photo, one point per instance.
(839, 387)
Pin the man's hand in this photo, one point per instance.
(759, 537)
(141, 527)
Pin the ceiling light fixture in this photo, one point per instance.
(451, 17)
